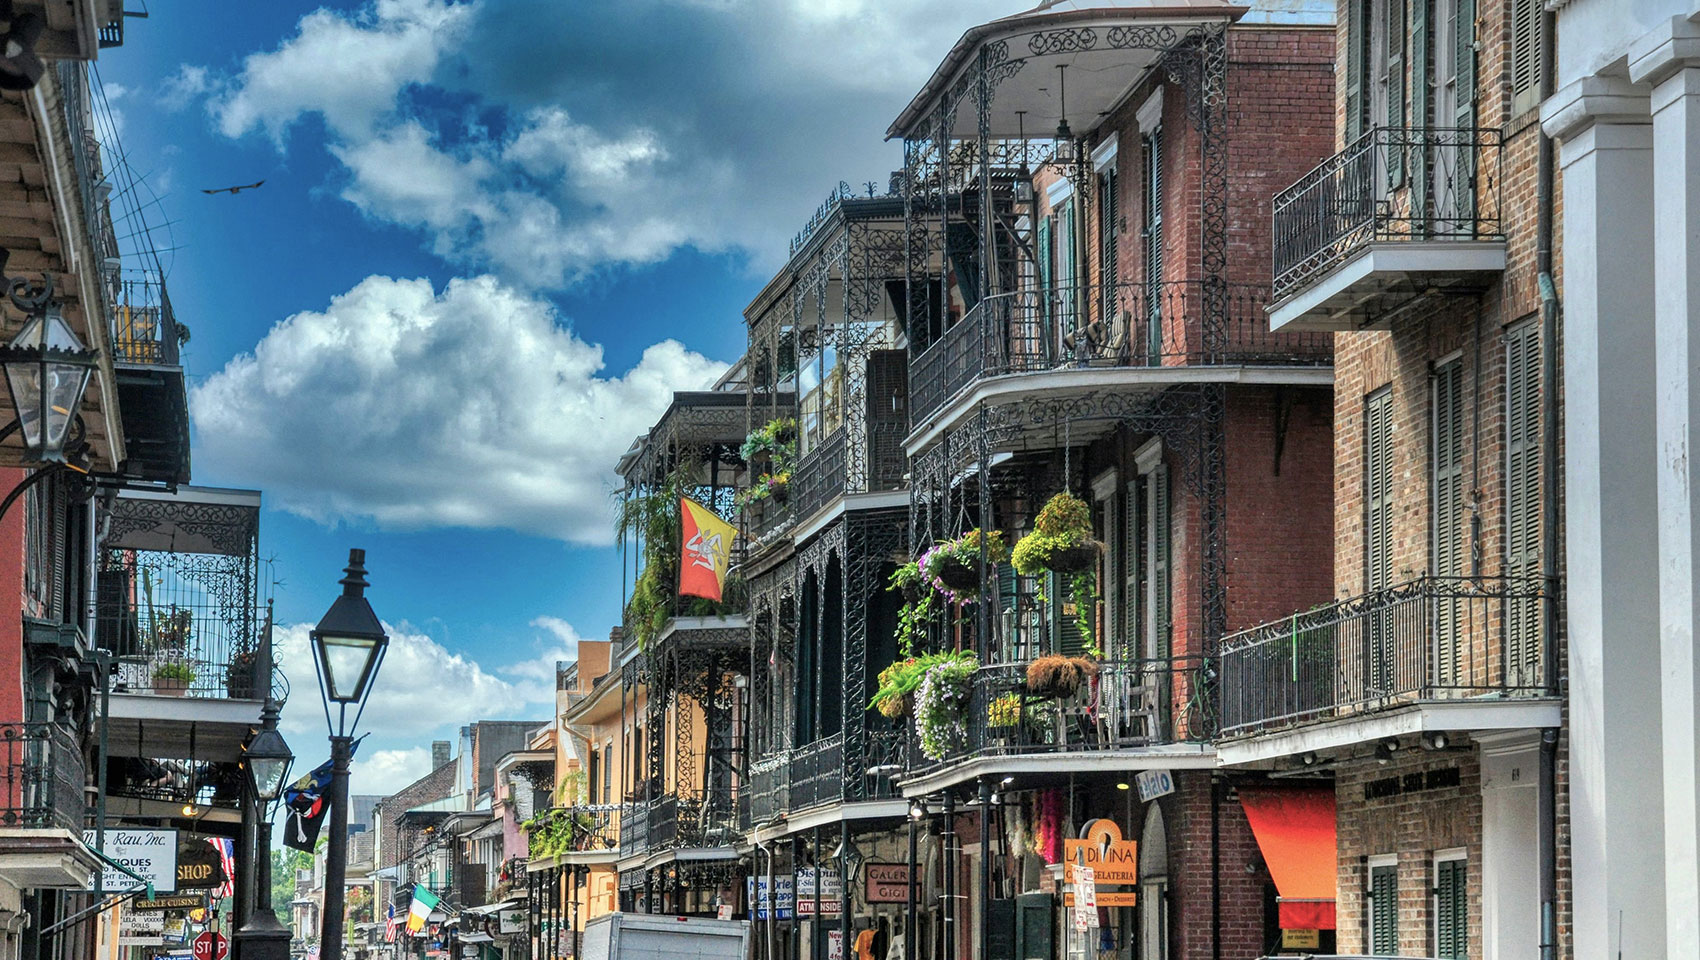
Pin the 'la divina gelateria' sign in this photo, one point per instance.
(1112, 859)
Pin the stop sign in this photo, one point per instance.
(210, 946)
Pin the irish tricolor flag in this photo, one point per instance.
(424, 901)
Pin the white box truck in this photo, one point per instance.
(647, 936)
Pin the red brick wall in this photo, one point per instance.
(1277, 505)
(1414, 826)
(1196, 864)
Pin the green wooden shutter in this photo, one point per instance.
(1523, 496)
(1107, 261)
(1384, 910)
(1451, 910)
(1357, 67)
(1464, 116)
(1394, 35)
(1378, 482)
(1451, 547)
(1162, 609)
(1133, 560)
(1421, 70)
(1525, 54)
(1154, 246)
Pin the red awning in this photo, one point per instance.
(1294, 827)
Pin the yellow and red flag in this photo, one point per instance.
(707, 551)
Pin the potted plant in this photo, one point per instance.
(172, 632)
(172, 678)
(239, 675)
(1055, 675)
(954, 565)
(1061, 543)
(777, 438)
(1004, 712)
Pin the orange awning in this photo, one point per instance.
(1294, 827)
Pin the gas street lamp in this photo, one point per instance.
(267, 759)
(348, 648)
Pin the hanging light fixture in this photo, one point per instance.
(1063, 140)
(47, 373)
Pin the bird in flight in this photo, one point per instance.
(245, 186)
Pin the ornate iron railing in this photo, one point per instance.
(694, 819)
(634, 829)
(820, 475)
(42, 774)
(817, 772)
(1129, 703)
(1110, 325)
(1432, 638)
(1392, 183)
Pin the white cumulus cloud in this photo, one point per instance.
(382, 772)
(544, 142)
(470, 406)
(347, 69)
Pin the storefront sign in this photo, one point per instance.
(1106, 898)
(831, 892)
(198, 866)
(1153, 784)
(1413, 783)
(1112, 859)
(511, 921)
(141, 930)
(785, 897)
(888, 882)
(835, 945)
(169, 903)
(150, 853)
(1301, 939)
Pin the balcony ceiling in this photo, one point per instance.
(1107, 46)
(180, 728)
(206, 520)
(1385, 280)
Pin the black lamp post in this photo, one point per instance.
(267, 760)
(348, 647)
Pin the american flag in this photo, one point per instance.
(226, 848)
(391, 924)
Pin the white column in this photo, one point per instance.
(1611, 495)
(1668, 59)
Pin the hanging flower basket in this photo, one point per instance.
(954, 565)
(1077, 557)
(1058, 676)
(896, 708)
(958, 576)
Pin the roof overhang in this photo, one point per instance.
(1110, 46)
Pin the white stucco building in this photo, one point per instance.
(1624, 108)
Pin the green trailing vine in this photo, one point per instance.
(920, 603)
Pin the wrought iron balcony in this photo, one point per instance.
(1432, 194)
(42, 774)
(178, 587)
(696, 818)
(1124, 325)
(1129, 704)
(1429, 639)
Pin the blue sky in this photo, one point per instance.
(493, 236)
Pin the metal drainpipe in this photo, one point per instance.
(948, 860)
(1548, 813)
(1215, 868)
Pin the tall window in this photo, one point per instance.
(1448, 523)
(1523, 495)
(1378, 490)
(1153, 243)
(1451, 907)
(1107, 264)
(1382, 919)
(594, 788)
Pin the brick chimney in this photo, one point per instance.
(440, 755)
